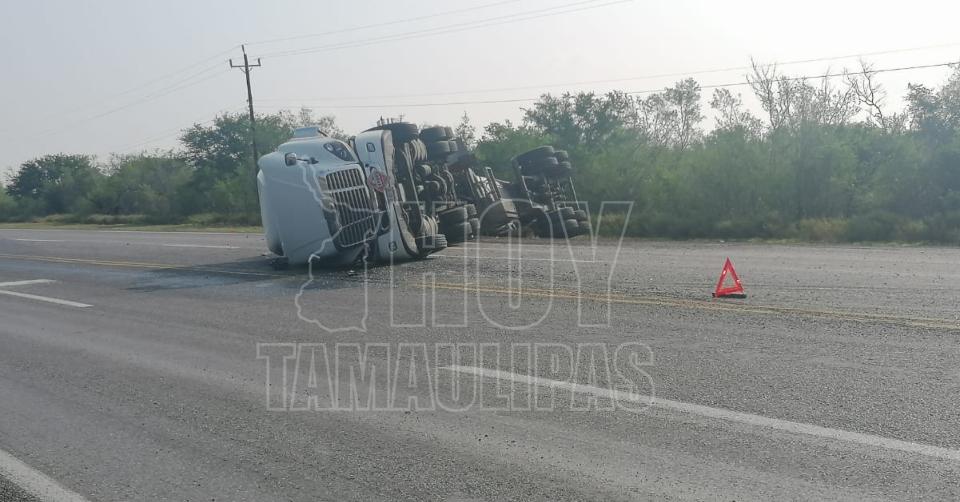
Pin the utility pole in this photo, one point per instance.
(246, 67)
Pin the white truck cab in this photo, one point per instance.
(322, 200)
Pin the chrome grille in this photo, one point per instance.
(356, 219)
(348, 178)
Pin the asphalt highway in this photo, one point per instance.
(129, 370)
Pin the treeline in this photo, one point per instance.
(209, 180)
(826, 160)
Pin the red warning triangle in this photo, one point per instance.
(735, 291)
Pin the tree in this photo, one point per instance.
(672, 117)
(152, 185)
(8, 206)
(582, 119)
(466, 131)
(220, 155)
(503, 141)
(793, 102)
(58, 183)
(935, 113)
(731, 115)
(872, 96)
(326, 123)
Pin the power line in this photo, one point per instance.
(143, 85)
(158, 94)
(167, 133)
(623, 79)
(645, 91)
(385, 23)
(165, 76)
(455, 28)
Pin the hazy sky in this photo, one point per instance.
(120, 76)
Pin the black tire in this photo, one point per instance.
(438, 150)
(561, 155)
(542, 224)
(433, 134)
(536, 153)
(401, 131)
(430, 244)
(562, 170)
(419, 151)
(580, 215)
(432, 187)
(458, 232)
(474, 226)
(540, 165)
(567, 213)
(570, 227)
(449, 133)
(423, 170)
(454, 216)
(532, 170)
(471, 210)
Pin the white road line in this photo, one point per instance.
(720, 413)
(38, 240)
(170, 232)
(209, 246)
(35, 482)
(25, 283)
(47, 299)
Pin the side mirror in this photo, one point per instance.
(290, 159)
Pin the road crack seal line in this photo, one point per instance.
(620, 298)
(133, 264)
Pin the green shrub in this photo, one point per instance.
(873, 226)
(822, 229)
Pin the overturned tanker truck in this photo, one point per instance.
(396, 192)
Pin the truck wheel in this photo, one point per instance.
(562, 155)
(453, 216)
(536, 153)
(432, 187)
(458, 232)
(433, 134)
(567, 213)
(474, 226)
(538, 166)
(580, 215)
(401, 131)
(570, 227)
(532, 170)
(471, 210)
(419, 151)
(449, 132)
(545, 162)
(562, 170)
(454, 147)
(438, 150)
(430, 244)
(543, 225)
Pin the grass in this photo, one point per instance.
(195, 223)
(183, 227)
